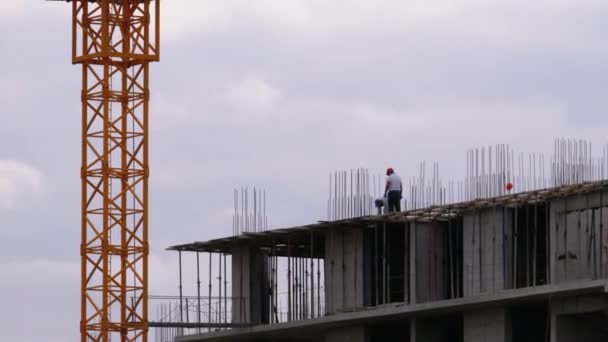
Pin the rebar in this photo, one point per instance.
(245, 220)
(490, 171)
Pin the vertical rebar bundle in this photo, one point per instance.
(349, 194)
(490, 171)
(247, 217)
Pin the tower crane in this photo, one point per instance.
(115, 41)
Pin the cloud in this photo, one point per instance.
(169, 113)
(253, 94)
(18, 181)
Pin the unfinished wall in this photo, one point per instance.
(437, 329)
(394, 330)
(486, 251)
(344, 270)
(347, 334)
(505, 248)
(428, 264)
(579, 240)
(529, 322)
(583, 318)
(587, 328)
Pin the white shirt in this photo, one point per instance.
(394, 182)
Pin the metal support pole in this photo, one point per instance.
(242, 301)
(384, 275)
(515, 238)
(289, 304)
(198, 290)
(547, 244)
(451, 252)
(225, 291)
(504, 248)
(481, 261)
(295, 296)
(602, 246)
(592, 243)
(273, 317)
(181, 305)
(319, 286)
(343, 268)
(566, 238)
(494, 248)
(187, 312)
(406, 264)
(376, 264)
(157, 331)
(296, 292)
(355, 269)
(303, 285)
(306, 286)
(210, 288)
(312, 275)
(219, 289)
(298, 280)
(580, 238)
(299, 288)
(527, 237)
(534, 247)
(276, 288)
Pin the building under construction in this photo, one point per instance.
(528, 266)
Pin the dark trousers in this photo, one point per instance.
(394, 200)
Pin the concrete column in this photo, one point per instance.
(413, 252)
(249, 285)
(487, 325)
(344, 271)
(346, 334)
(241, 305)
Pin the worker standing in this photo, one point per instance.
(393, 190)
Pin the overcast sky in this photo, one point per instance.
(277, 94)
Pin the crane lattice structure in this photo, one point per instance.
(115, 41)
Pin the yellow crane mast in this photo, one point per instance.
(115, 41)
